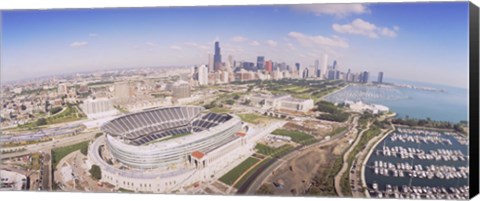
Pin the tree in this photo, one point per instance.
(230, 102)
(55, 110)
(96, 172)
(236, 97)
(41, 122)
(23, 107)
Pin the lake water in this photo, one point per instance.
(450, 105)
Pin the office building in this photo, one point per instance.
(95, 106)
(305, 73)
(325, 66)
(260, 62)
(380, 77)
(203, 75)
(62, 89)
(317, 68)
(217, 57)
(269, 66)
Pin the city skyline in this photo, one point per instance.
(83, 40)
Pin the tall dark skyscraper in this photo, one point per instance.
(260, 62)
(297, 67)
(365, 77)
(334, 66)
(217, 57)
(380, 77)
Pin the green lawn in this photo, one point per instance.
(233, 174)
(220, 110)
(59, 153)
(297, 136)
(270, 151)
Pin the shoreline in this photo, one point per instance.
(364, 162)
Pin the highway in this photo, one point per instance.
(47, 146)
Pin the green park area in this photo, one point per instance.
(296, 136)
(61, 152)
(230, 177)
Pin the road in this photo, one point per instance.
(46, 146)
(345, 166)
(250, 187)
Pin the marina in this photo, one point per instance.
(419, 163)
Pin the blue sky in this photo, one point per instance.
(413, 41)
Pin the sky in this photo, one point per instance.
(425, 42)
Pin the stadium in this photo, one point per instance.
(165, 149)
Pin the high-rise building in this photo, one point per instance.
(210, 63)
(332, 74)
(305, 73)
(325, 66)
(297, 67)
(203, 75)
(317, 68)
(62, 89)
(260, 62)
(230, 62)
(181, 89)
(334, 66)
(365, 77)
(269, 66)
(348, 75)
(217, 57)
(122, 90)
(380, 77)
(98, 105)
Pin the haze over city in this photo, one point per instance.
(406, 41)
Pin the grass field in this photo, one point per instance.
(59, 153)
(297, 136)
(270, 151)
(233, 174)
(250, 173)
(219, 110)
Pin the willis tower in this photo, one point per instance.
(217, 57)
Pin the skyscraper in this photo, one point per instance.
(269, 66)
(380, 77)
(210, 63)
(305, 73)
(334, 66)
(317, 68)
(217, 57)
(325, 66)
(202, 75)
(297, 67)
(260, 62)
(365, 77)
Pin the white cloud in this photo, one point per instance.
(254, 43)
(78, 44)
(337, 10)
(309, 41)
(271, 43)
(150, 44)
(175, 47)
(199, 46)
(364, 28)
(92, 35)
(239, 39)
(291, 46)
